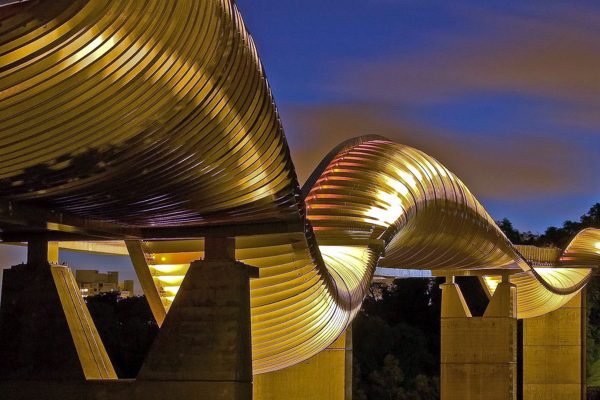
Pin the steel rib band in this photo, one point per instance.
(255, 148)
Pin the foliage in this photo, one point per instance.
(511, 233)
(396, 343)
(127, 329)
(553, 236)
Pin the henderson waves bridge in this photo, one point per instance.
(149, 129)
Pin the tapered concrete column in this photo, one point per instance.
(554, 353)
(203, 349)
(46, 331)
(41, 251)
(478, 354)
(325, 376)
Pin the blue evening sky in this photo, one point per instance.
(504, 93)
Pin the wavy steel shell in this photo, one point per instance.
(429, 219)
(159, 114)
(143, 113)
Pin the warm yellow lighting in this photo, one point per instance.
(560, 277)
(171, 289)
(171, 279)
(350, 262)
(169, 268)
(398, 186)
(407, 178)
(491, 283)
(389, 214)
(415, 171)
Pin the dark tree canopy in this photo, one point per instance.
(127, 329)
(396, 342)
(553, 236)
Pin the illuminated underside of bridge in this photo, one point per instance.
(152, 125)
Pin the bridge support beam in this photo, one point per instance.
(41, 252)
(479, 354)
(554, 354)
(46, 331)
(325, 376)
(203, 349)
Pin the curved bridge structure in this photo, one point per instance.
(153, 122)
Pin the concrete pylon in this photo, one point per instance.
(554, 354)
(203, 349)
(479, 354)
(46, 331)
(325, 376)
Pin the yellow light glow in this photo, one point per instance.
(388, 215)
(431, 167)
(171, 289)
(492, 283)
(350, 262)
(406, 177)
(396, 185)
(415, 172)
(442, 170)
(169, 268)
(171, 279)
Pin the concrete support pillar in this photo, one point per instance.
(40, 251)
(325, 376)
(478, 354)
(203, 349)
(348, 371)
(46, 331)
(554, 353)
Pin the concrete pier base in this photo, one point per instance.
(325, 376)
(479, 354)
(46, 331)
(554, 353)
(205, 339)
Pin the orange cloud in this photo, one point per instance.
(553, 55)
(516, 165)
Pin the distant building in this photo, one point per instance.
(92, 282)
(126, 288)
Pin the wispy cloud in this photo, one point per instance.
(516, 165)
(549, 58)
(553, 55)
